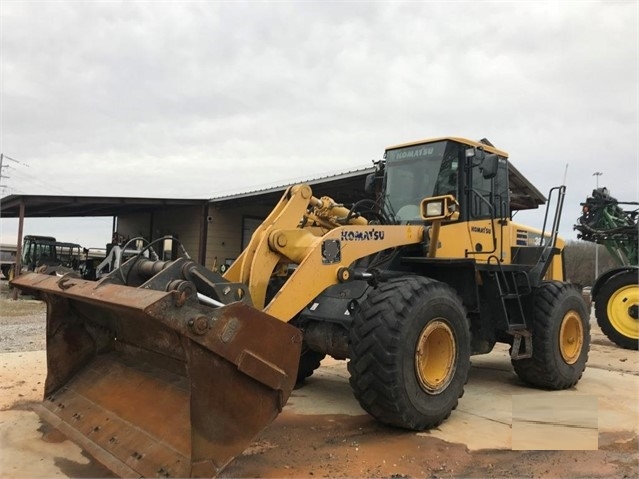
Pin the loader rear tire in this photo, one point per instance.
(617, 309)
(410, 352)
(560, 338)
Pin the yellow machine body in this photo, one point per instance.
(457, 240)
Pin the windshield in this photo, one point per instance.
(417, 172)
(35, 252)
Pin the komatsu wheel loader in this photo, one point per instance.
(169, 369)
(615, 293)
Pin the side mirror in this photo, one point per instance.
(489, 166)
(369, 185)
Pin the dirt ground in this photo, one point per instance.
(323, 432)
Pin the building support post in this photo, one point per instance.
(18, 266)
(204, 233)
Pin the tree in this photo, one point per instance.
(579, 261)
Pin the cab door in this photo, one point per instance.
(488, 213)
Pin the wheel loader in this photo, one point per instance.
(165, 368)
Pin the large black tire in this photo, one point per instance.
(410, 352)
(617, 309)
(560, 338)
(309, 361)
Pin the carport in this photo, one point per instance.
(46, 206)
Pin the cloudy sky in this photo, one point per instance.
(197, 99)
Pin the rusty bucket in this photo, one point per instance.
(155, 386)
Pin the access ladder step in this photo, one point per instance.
(510, 296)
(515, 352)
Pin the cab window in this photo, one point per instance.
(482, 205)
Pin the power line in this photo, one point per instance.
(4, 157)
(21, 176)
(34, 180)
(14, 160)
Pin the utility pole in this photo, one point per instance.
(597, 174)
(4, 157)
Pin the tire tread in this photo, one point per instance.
(374, 371)
(540, 370)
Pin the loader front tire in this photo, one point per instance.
(410, 352)
(560, 338)
(617, 309)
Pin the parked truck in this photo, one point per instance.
(45, 254)
(8, 255)
(165, 368)
(42, 253)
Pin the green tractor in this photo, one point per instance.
(615, 292)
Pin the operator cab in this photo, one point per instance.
(477, 175)
(38, 250)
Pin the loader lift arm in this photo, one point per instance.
(321, 238)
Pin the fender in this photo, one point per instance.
(603, 278)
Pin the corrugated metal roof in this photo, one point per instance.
(72, 206)
(51, 206)
(279, 188)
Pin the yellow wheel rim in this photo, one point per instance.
(622, 311)
(571, 337)
(435, 356)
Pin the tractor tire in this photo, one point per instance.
(617, 309)
(560, 338)
(410, 352)
(309, 361)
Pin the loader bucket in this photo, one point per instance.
(156, 386)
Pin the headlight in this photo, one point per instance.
(435, 208)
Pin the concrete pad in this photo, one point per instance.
(552, 423)
(330, 383)
(484, 417)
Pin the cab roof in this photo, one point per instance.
(465, 141)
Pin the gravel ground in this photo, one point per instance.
(22, 322)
